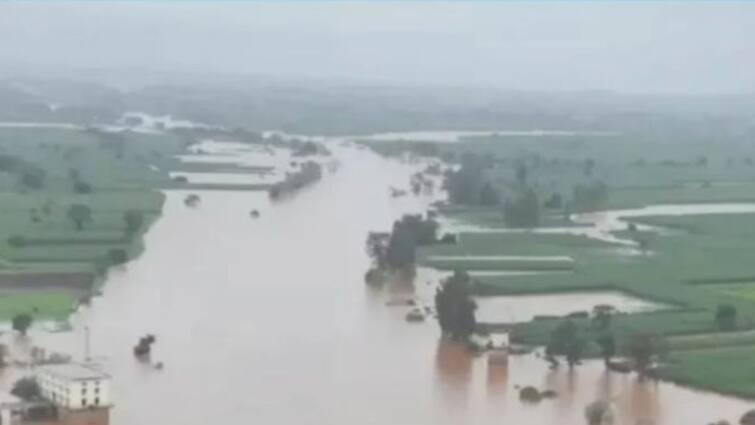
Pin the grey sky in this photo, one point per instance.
(625, 46)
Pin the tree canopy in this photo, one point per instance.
(22, 322)
(79, 214)
(455, 306)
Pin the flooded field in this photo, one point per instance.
(270, 320)
(225, 178)
(523, 308)
(601, 225)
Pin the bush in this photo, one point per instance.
(530, 394)
(27, 389)
(22, 322)
(726, 317)
(17, 241)
(117, 256)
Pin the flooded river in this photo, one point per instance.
(269, 321)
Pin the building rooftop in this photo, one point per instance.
(74, 371)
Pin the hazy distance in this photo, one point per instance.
(654, 47)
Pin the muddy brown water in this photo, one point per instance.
(268, 321)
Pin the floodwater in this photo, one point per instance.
(451, 136)
(269, 321)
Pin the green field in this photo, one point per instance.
(48, 264)
(696, 264)
(703, 263)
(728, 370)
(44, 305)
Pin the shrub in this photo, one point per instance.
(726, 317)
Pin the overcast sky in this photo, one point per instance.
(626, 46)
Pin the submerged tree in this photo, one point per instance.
(408, 233)
(642, 348)
(401, 251)
(3, 355)
(455, 306)
(599, 413)
(377, 247)
(565, 341)
(607, 344)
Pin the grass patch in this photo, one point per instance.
(728, 370)
(109, 174)
(45, 305)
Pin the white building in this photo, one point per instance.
(74, 386)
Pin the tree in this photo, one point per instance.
(642, 348)
(726, 317)
(134, 220)
(455, 306)
(22, 322)
(377, 247)
(79, 214)
(565, 341)
(27, 389)
(407, 234)
(401, 250)
(602, 315)
(599, 413)
(3, 355)
(607, 344)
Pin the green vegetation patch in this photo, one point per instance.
(74, 201)
(727, 370)
(54, 305)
